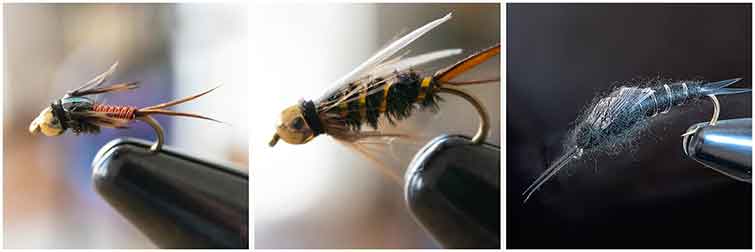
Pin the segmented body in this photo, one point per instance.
(395, 98)
(115, 111)
(665, 97)
(76, 114)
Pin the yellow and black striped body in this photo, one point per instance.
(396, 98)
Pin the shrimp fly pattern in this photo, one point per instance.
(381, 87)
(82, 114)
(611, 122)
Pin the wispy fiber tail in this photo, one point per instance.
(158, 109)
(570, 154)
(174, 113)
(179, 101)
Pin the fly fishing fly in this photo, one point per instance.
(83, 114)
(382, 87)
(611, 122)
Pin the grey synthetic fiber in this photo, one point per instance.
(610, 122)
(628, 113)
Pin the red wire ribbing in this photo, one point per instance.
(121, 112)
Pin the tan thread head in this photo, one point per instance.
(46, 123)
(292, 128)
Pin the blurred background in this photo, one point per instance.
(174, 50)
(323, 194)
(559, 57)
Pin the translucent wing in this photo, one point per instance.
(94, 83)
(387, 72)
(112, 88)
(384, 54)
(404, 64)
(94, 86)
(379, 148)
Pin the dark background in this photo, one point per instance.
(558, 57)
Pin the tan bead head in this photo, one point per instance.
(47, 123)
(292, 128)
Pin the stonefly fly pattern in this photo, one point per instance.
(382, 87)
(83, 114)
(611, 122)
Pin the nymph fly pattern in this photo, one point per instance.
(377, 88)
(82, 114)
(610, 122)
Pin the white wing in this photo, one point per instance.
(387, 69)
(407, 63)
(385, 53)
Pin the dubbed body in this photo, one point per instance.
(395, 100)
(612, 118)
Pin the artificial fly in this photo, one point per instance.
(382, 87)
(610, 122)
(82, 114)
